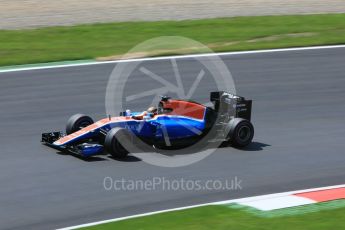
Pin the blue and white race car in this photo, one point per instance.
(173, 124)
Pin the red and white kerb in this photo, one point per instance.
(268, 203)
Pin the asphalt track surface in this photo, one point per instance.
(298, 113)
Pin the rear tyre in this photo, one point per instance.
(240, 132)
(77, 122)
(112, 142)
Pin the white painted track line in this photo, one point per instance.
(88, 63)
(278, 203)
(241, 200)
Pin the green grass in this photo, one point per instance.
(99, 40)
(222, 217)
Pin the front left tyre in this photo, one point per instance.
(112, 142)
(77, 122)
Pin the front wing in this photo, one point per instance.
(83, 149)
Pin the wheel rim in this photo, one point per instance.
(244, 133)
(83, 124)
(119, 147)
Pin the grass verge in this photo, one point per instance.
(107, 41)
(222, 217)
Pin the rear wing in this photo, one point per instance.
(227, 103)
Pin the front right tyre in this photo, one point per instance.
(77, 122)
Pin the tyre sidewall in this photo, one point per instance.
(112, 144)
(76, 121)
(234, 127)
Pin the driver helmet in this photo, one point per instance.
(152, 109)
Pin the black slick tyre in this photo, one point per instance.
(77, 122)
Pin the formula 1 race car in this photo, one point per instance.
(174, 123)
